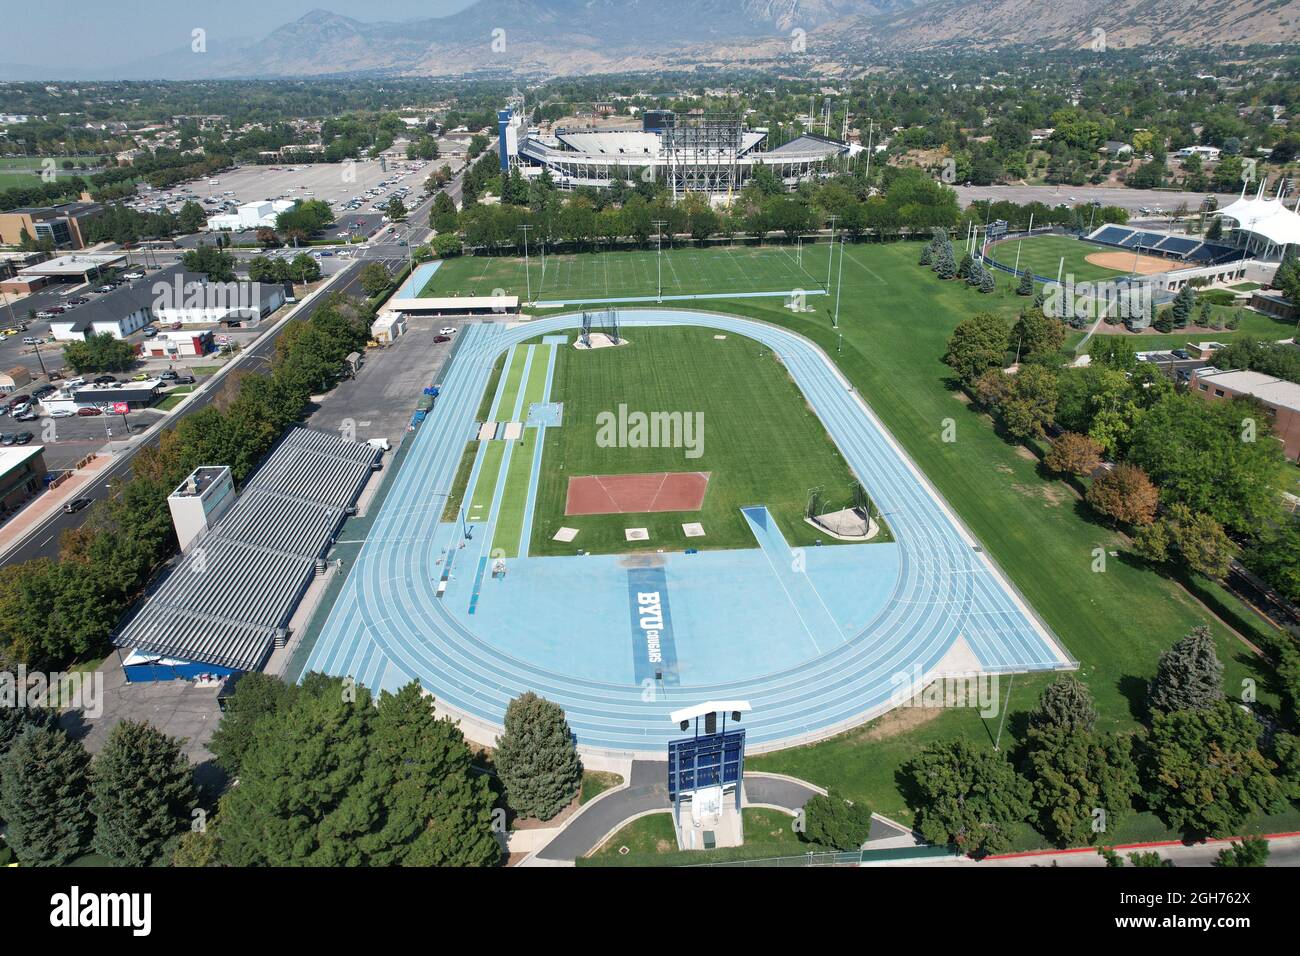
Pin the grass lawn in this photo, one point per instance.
(767, 833)
(761, 444)
(1041, 255)
(596, 782)
(686, 270)
(174, 397)
(514, 498)
(896, 318)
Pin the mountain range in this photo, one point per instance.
(543, 38)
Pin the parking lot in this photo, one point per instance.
(381, 399)
(334, 183)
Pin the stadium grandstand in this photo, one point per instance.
(226, 604)
(714, 154)
(1188, 249)
(1257, 228)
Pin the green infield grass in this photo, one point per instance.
(755, 434)
(1041, 255)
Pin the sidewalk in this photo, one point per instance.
(49, 502)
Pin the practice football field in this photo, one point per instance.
(623, 275)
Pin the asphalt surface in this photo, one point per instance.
(1130, 199)
(43, 541)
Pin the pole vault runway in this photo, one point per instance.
(942, 593)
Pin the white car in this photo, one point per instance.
(62, 413)
(447, 331)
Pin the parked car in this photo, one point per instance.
(26, 416)
(75, 505)
(105, 380)
(184, 380)
(88, 411)
(150, 332)
(1182, 354)
(30, 340)
(447, 330)
(167, 376)
(441, 338)
(62, 413)
(7, 439)
(22, 438)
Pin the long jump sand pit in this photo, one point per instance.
(1124, 262)
(636, 494)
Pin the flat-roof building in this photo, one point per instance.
(1280, 398)
(22, 469)
(64, 225)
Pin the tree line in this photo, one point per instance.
(53, 612)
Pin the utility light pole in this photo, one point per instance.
(528, 281)
(839, 283)
(659, 256)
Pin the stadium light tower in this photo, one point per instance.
(528, 282)
(659, 257)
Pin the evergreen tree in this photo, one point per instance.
(1207, 773)
(329, 779)
(1252, 851)
(987, 283)
(142, 794)
(303, 797)
(536, 758)
(1189, 677)
(833, 822)
(1026, 284)
(438, 811)
(45, 798)
(1181, 310)
(255, 696)
(1082, 784)
(964, 268)
(1065, 703)
(967, 796)
(945, 264)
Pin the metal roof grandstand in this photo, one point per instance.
(228, 602)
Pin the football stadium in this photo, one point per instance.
(715, 154)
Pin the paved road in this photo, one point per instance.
(43, 541)
(1284, 851)
(647, 790)
(1131, 199)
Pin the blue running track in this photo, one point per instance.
(388, 625)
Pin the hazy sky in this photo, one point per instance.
(93, 34)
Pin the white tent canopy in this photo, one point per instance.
(1268, 219)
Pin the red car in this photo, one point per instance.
(89, 410)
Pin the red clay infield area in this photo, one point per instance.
(634, 494)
